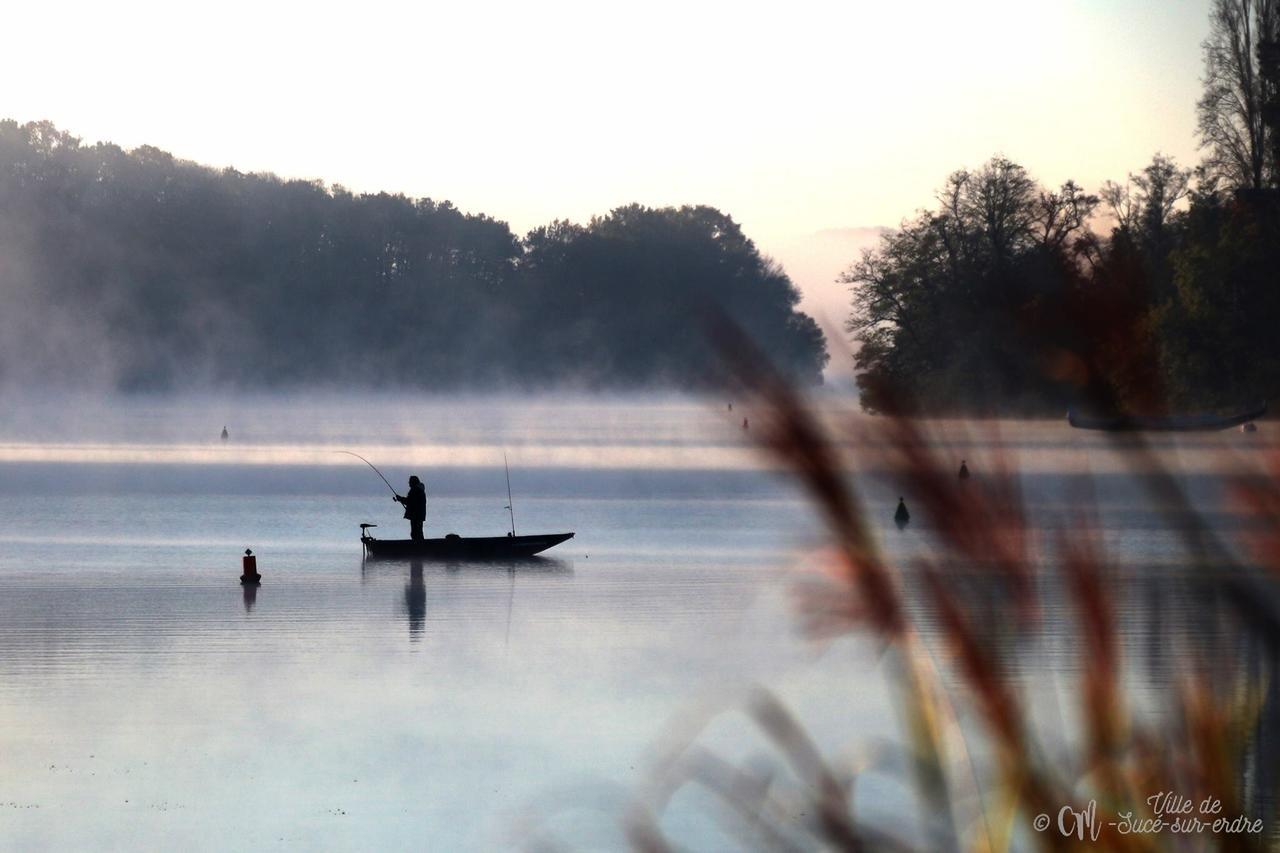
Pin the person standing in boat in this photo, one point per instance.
(415, 507)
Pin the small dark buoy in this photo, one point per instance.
(250, 568)
(964, 470)
(745, 425)
(731, 407)
(225, 434)
(901, 516)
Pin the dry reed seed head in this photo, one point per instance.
(980, 669)
(1127, 761)
(987, 525)
(1258, 498)
(800, 441)
(828, 610)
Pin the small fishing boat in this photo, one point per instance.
(1168, 423)
(455, 547)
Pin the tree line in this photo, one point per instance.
(1162, 292)
(141, 271)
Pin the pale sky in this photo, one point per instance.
(797, 118)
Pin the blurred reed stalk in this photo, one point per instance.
(1219, 738)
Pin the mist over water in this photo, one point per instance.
(351, 704)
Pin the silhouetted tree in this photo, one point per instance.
(942, 306)
(148, 272)
(629, 296)
(1145, 209)
(980, 307)
(1237, 114)
(1218, 329)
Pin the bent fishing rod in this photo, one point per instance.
(374, 467)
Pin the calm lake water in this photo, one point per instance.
(148, 701)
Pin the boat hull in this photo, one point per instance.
(464, 547)
(1174, 423)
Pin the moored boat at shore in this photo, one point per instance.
(1164, 423)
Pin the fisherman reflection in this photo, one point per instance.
(415, 600)
(415, 506)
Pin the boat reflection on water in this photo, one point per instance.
(482, 572)
(390, 567)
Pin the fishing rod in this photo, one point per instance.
(510, 503)
(374, 467)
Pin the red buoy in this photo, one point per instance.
(250, 564)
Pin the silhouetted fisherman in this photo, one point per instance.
(225, 434)
(415, 506)
(964, 470)
(901, 517)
